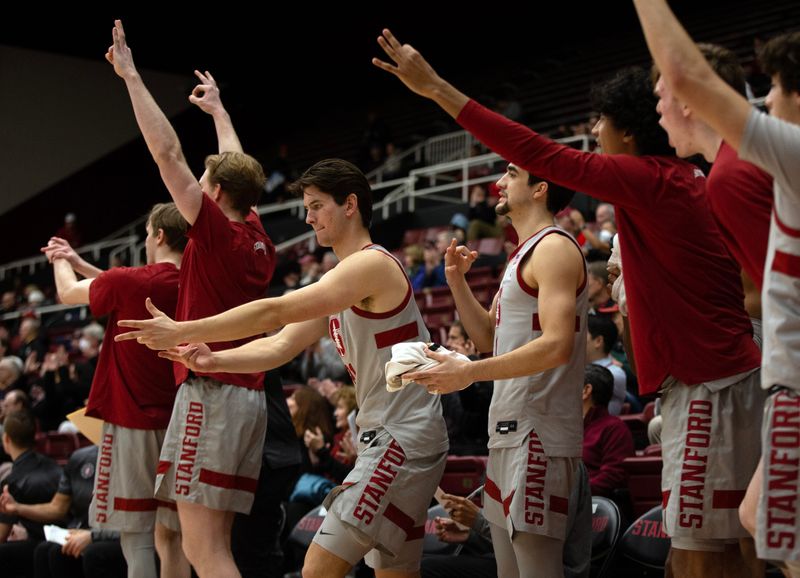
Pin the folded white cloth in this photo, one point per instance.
(618, 288)
(411, 357)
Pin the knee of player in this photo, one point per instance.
(747, 516)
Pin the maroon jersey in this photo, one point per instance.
(132, 386)
(225, 264)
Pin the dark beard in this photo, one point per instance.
(503, 209)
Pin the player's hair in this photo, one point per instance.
(339, 179)
(723, 61)
(781, 56)
(627, 100)
(558, 197)
(240, 176)
(167, 217)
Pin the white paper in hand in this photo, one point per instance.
(56, 534)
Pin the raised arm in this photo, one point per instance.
(690, 77)
(477, 321)
(60, 248)
(353, 280)
(161, 139)
(206, 96)
(259, 355)
(618, 179)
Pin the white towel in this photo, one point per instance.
(411, 357)
(618, 288)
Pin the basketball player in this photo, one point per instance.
(773, 143)
(685, 337)
(132, 391)
(228, 260)
(366, 305)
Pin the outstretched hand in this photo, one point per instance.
(206, 94)
(119, 54)
(409, 66)
(160, 332)
(451, 374)
(195, 356)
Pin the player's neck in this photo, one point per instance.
(351, 243)
(708, 143)
(169, 257)
(528, 225)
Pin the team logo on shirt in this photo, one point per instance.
(87, 471)
(335, 330)
(260, 246)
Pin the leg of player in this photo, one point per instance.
(201, 528)
(321, 563)
(139, 552)
(173, 561)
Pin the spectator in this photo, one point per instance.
(473, 409)
(69, 231)
(11, 374)
(334, 461)
(87, 552)
(413, 259)
(29, 340)
(482, 218)
(322, 361)
(601, 336)
(599, 293)
(607, 441)
(310, 270)
(8, 303)
(33, 480)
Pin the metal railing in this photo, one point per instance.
(31, 263)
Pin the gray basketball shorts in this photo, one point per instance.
(379, 511)
(529, 491)
(124, 481)
(710, 447)
(212, 451)
(777, 521)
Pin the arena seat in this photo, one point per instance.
(644, 482)
(645, 541)
(462, 475)
(606, 528)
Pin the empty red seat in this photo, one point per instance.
(462, 474)
(644, 482)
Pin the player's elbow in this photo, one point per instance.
(562, 351)
(168, 154)
(68, 296)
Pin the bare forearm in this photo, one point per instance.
(66, 282)
(476, 320)
(83, 267)
(689, 75)
(449, 98)
(595, 241)
(160, 137)
(227, 139)
(259, 355)
(539, 355)
(246, 320)
(41, 512)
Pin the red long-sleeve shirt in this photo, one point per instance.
(685, 297)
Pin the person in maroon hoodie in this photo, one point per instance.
(607, 441)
